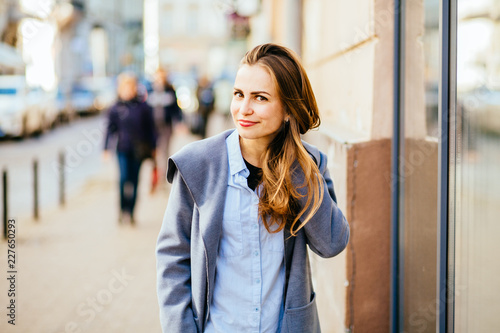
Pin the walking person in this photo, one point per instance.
(167, 113)
(130, 121)
(243, 208)
(206, 102)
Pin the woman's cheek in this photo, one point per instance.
(235, 106)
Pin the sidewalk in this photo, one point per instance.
(80, 271)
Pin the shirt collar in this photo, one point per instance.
(236, 162)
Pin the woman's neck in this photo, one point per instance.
(253, 151)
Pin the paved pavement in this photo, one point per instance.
(79, 270)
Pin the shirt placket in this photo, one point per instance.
(255, 257)
(256, 262)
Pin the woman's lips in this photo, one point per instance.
(246, 123)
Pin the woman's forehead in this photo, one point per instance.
(254, 77)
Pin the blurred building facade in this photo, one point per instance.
(89, 39)
(408, 96)
(10, 60)
(191, 36)
(101, 39)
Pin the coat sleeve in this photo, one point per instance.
(149, 125)
(111, 127)
(328, 231)
(173, 261)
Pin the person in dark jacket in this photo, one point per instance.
(166, 112)
(131, 122)
(206, 100)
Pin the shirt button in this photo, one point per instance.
(256, 309)
(257, 281)
(255, 226)
(256, 253)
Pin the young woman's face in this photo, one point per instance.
(256, 108)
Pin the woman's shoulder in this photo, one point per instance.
(204, 148)
(200, 156)
(314, 152)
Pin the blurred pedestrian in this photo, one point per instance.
(167, 114)
(206, 102)
(130, 121)
(244, 205)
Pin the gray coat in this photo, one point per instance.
(189, 238)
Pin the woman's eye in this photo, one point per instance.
(261, 98)
(238, 94)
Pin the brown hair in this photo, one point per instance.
(279, 199)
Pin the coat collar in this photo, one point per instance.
(204, 166)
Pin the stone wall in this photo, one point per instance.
(348, 53)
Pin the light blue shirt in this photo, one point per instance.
(250, 275)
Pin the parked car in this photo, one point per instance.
(21, 113)
(82, 98)
(45, 105)
(104, 91)
(65, 110)
(93, 95)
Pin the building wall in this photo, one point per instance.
(191, 34)
(348, 52)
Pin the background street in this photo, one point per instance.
(79, 270)
(82, 143)
(411, 133)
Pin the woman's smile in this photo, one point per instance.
(246, 123)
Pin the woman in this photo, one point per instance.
(131, 121)
(231, 254)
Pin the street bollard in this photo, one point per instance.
(61, 178)
(5, 212)
(35, 189)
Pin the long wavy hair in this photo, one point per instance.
(279, 197)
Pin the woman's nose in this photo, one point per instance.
(246, 107)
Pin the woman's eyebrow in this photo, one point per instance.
(260, 92)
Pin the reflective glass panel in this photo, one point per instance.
(420, 165)
(477, 168)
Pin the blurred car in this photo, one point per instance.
(82, 99)
(21, 113)
(92, 95)
(104, 92)
(45, 106)
(64, 107)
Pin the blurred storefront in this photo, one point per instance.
(410, 100)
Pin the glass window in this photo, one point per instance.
(477, 168)
(419, 166)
